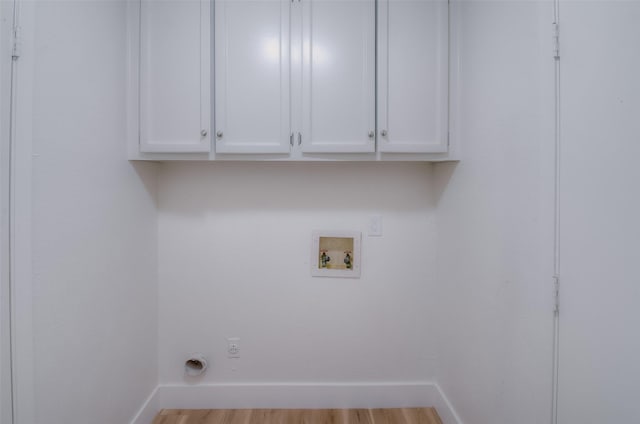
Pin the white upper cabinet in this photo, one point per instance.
(291, 79)
(252, 100)
(175, 75)
(413, 60)
(338, 76)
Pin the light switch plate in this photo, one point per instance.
(374, 226)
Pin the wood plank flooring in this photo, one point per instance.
(298, 416)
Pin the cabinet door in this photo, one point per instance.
(412, 75)
(338, 76)
(175, 76)
(252, 76)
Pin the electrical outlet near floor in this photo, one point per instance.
(233, 347)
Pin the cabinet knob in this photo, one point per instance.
(372, 134)
(204, 133)
(219, 134)
(383, 133)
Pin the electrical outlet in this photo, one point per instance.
(233, 347)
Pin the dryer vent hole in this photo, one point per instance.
(194, 364)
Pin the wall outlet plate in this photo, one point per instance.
(233, 347)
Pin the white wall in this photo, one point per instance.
(600, 292)
(235, 242)
(94, 223)
(234, 238)
(495, 222)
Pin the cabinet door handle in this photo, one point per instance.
(299, 139)
(372, 134)
(219, 134)
(383, 133)
(203, 133)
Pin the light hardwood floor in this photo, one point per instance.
(298, 416)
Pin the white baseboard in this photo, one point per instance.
(297, 396)
(447, 414)
(149, 409)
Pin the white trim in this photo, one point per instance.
(556, 222)
(21, 261)
(148, 410)
(454, 81)
(448, 415)
(6, 95)
(297, 396)
(133, 80)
